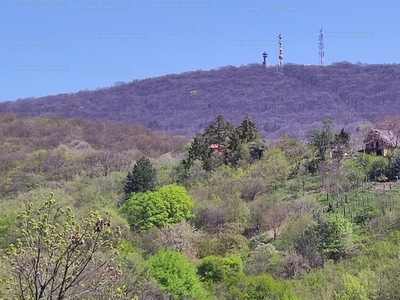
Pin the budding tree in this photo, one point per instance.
(57, 257)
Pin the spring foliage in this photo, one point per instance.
(58, 257)
(170, 204)
(177, 275)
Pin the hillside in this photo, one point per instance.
(290, 102)
(38, 150)
(292, 223)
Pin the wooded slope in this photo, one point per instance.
(291, 102)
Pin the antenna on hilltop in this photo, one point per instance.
(280, 52)
(265, 61)
(321, 47)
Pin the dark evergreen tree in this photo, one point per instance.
(234, 151)
(341, 144)
(142, 178)
(218, 131)
(198, 149)
(343, 138)
(247, 130)
(256, 148)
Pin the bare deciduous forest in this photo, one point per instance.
(291, 102)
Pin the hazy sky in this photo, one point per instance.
(63, 46)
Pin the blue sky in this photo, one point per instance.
(62, 46)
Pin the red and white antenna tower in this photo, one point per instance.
(280, 52)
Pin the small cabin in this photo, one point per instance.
(217, 149)
(378, 142)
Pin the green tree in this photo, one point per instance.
(247, 130)
(394, 164)
(256, 148)
(198, 149)
(322, 139)
(332, 235)
(218, 131)
(57, 257)
(340, 144)
(142, 178)
(249, 135)
(273, 168)
(352, 289)
(260, 288)
(177, 276)
(336, 236)
(177, 203)
(170, 204)
(343, 138)
(378, 167)
(218, 268)
(235, 150)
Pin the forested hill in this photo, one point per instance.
(290, 102)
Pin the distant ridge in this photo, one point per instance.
(280, 103)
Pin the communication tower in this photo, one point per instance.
(321, 47)
(265, 61)
(280, 52)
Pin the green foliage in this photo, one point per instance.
(352, 289)
(335, 236)
(8, 228)
(332, 235)
(355, 172)
(218, 131)
(394, 164)
(222, 245)
(235, 151)
(145, 210)
(58, 257)
(294, 228)
(142, 178)
(177, 202)
(221, 143)
(247, 130)
(244, 196)
(375, 167)
(218, 268)
(343, 138)
(170, 204)
(177, 275)
(273, 168)
(198, 149)
(322, 139)
(260, 287)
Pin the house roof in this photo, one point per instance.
(386, 136)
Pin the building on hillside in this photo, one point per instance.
(217, 149)
(378, 142)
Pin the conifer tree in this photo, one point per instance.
(235, 150)
(218, 131)
(142, 178)
(247, 130)
(198, 149)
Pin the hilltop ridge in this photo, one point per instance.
(290, 102)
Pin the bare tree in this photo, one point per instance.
(276, 215)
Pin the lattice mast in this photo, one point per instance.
(321, 47)
(280, 51)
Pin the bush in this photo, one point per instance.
(218, 268)
(177, 275)
(170, 204)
